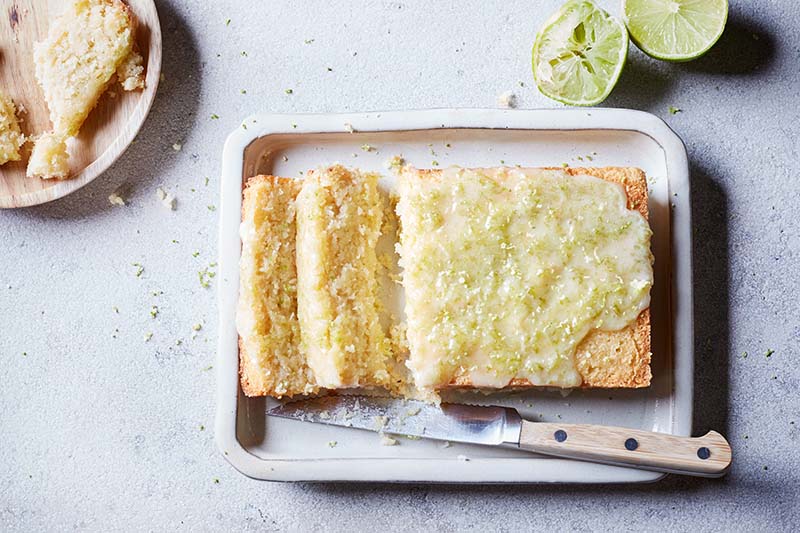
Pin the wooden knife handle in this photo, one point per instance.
(707, 456)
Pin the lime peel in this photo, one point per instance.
(675, 30)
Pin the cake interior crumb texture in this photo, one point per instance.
(11, 137)
(85, 47)
(339, 213)
(271, 362)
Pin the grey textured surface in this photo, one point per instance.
(100, 430)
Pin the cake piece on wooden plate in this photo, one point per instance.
(271, 361)
(338, 223)
(11, 137)
(521, 277)
(90, 42)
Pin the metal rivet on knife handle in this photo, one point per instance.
(560, 435)
(703, 453)
(631, 444)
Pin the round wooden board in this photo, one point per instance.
(110, 127)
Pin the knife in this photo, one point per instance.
(706, 456)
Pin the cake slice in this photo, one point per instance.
(338, 224)
(84, 48)
(11, 137)
(271, 361)
(526, 277)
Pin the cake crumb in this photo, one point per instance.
(388, 441)
(507, 99)
(116, 198)
(463, 458)
(395, 163)
(166, 199)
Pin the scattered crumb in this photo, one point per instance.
(288, 91)
(507, 99)
(388, 441)
(116, 197)
(413, 437)
(166, 199)
(349, 127)
(674, 110)
(214, 116)
(445, 444)
(147, 337)
(395, 163)
(177, 147)
(770, 352)
(285, 159)
(139, 269)
(463, 458)
(368, 148)
(332, 443)
(154, 311)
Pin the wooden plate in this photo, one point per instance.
(110, 127)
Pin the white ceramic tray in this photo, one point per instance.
(286, 450)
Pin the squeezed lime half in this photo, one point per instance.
(579, 53)
(675, 30)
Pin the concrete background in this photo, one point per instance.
(100, 430)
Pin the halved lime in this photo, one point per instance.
(675, 30)
(579, 54)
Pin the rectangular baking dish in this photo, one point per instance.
(287, 145)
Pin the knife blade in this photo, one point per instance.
(451, 422)
(707, 456)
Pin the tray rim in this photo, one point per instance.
(485, 470)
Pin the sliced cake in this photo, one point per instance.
(338, 224)
(86, 45)
(270, 358)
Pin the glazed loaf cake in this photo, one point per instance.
(513, 278)
(526, 277)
